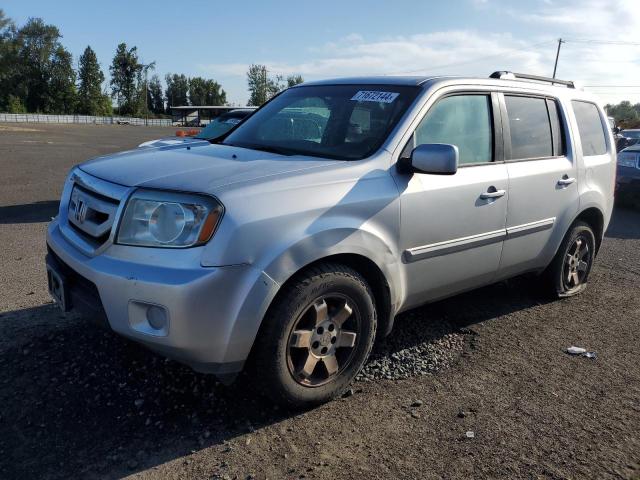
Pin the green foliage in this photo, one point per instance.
(91, 100)
(293, 80)
(37, 75)
(177, 92)
(262, 87)
(206, 92)
(62, 83)
(15, 105)
(125, 78)
(155, 98)
(626, 114)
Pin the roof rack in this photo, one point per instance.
(506, 75)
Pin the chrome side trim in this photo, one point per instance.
(455, 245)
(533, 227)
(473, 241)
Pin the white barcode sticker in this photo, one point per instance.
(374, 96)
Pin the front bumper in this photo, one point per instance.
(213, 313)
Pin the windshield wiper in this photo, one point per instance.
(264, 148)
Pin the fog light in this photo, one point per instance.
(157, 317)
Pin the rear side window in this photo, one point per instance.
(590, 127)
(531, 133)
(464, 121)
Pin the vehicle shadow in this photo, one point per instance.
(29, 213)
(625, 223)
(119, 408)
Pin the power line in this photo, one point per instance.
(601, 42)
(612, 86)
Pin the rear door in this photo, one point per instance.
(543, 188)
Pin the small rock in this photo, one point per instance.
(415, 414)
(462, 414)
(348, 393)
(207, 434)
(132, 465)
(139, 402)
(470, 434)
(417, 403)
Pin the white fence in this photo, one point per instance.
(37, 118)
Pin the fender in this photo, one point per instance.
(293, 258)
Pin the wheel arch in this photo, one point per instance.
(594, 217)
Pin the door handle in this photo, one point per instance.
(566, 180)
(492, 193)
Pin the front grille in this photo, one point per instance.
(91, 213)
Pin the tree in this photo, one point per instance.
(91, 100)
(293, 80)
(8, 62)
(262, 87)
(62, 83)
(36, 45)
(206, 92)
(258, 82)
(125, 77)
(624, 112)
(177, 90)
(155, 100)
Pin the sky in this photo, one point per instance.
(333, 38)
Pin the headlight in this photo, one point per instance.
(168, 219)
(627, 159)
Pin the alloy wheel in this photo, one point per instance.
(323, 340)
(576, 263)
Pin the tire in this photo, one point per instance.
(325, 311)
(568, 273)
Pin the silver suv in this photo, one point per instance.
(287, 246)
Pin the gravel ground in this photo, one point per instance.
(474, 386)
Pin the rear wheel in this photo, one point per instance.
(568, 273)
(316, 336)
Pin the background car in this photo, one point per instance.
(627, 137)
(628, 175)
(216, 128)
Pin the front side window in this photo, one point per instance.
(461, 120)
(590, 128)
(531, 134)
(347, 122)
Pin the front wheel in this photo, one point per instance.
(568, 273)
(316, 336)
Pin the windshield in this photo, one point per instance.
(219, 126)
(334, 121)
(631, 133)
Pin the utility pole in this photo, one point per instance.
(555, 66)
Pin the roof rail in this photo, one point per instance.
(506, 75)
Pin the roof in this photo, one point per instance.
(514, 80)
(208, 107)
(379, 80)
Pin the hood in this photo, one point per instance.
(196, 167)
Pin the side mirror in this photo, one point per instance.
(435, 158)
(616, 130)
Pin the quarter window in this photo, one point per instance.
(531, 134)
(590, 128)
(461, 120)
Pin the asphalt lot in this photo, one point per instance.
(79, 402)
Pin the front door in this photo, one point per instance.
(453, 226)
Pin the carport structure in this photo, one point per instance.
(198, 115)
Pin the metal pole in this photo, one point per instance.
(555, 66)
